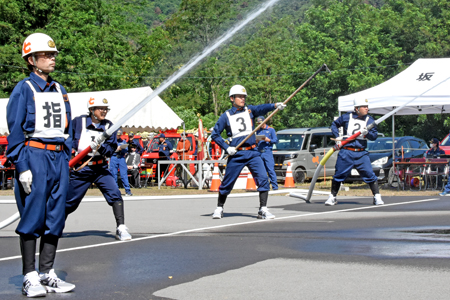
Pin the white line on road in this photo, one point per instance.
(228, 225)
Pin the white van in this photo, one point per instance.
(304, 148)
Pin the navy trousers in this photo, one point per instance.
(235, 164)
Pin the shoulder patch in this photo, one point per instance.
(66, 97)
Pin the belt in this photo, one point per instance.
(246, 148)
(95, 162)
(39, 145)
(354, 149)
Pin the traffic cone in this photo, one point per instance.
(215, 182)
(251, 186)
(289, 181)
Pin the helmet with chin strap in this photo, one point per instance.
(37, 42)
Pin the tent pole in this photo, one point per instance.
(393, 143)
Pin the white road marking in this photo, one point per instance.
(228, 225)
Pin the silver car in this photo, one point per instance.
(304, 148)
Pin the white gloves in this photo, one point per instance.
(231, 151)
(100, 139)
(339, 144)
(280, 105)
(364, 131)
(97, 141)
(93, 145)
(26, 178)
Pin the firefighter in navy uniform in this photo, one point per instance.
(265, 148)
(87, 131)
(238, 123)
(39, 144)
(165, 147)
(118, 162)
(354, 154)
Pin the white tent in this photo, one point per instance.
(427, 80)
(156, 114)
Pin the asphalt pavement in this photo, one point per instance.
(353, 250)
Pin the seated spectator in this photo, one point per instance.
(133, 164)
(133, 141)
(434, 151)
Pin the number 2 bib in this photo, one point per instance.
(241, 124)
(355, 125)
(87, 136)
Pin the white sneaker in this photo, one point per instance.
(377, 200)
(32, 286)
(264, 213)
(218, 213)
(331, 201)
(122, 233)
(53, 284)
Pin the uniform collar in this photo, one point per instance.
(355, 116)
(235, 109)
(41, 82)
(89, 123)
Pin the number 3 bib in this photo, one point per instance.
(241, 124)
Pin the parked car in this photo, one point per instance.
(380, 153)
(304, 148)
(445, 145)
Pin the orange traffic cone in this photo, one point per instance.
(215, 182)
(289, 181)
(251, 186)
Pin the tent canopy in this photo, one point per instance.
(156, 115)
(427, 80)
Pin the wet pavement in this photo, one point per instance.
(352, 250)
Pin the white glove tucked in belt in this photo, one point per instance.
(26, 177)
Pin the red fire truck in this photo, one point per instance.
(149, 160)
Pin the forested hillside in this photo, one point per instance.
(111, 44)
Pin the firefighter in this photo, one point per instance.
(265, 148)
(354, 153)
(238, 123)
(39, 144)
(86, 130)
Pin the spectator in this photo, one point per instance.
(435, 151)
(135, 141)
(133, 164)
(118, 161)
(265, 148)
(183, 147)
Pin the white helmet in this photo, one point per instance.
(38, 42)
(94, 102)
(360, 102)
(238, 90)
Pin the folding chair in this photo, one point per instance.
(436, 168)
